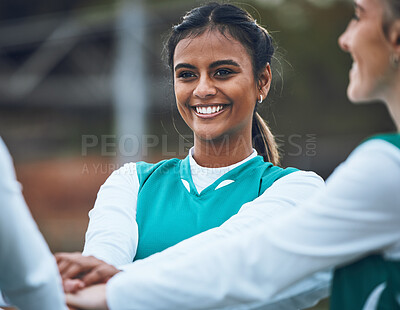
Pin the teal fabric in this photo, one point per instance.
(168, 213)
(393, 138)
(372, 283)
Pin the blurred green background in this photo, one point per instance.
(83, 89)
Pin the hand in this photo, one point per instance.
(91, 298)
(72, 285)
(78, 271)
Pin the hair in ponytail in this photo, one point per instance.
(241, 26)
(264, 141)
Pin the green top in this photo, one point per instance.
(393, 138)
(372, 283)
(167, 212)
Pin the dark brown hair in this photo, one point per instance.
(392, 12)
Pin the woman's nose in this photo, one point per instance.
(344, 40)
(204, 88)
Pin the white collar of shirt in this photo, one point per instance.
(203, 177)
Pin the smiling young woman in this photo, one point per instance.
(352, 225)
(220, 61)
(372, 40)
(366, 41)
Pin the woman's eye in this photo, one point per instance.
(355, 17)
(185, 75)
(223, 72)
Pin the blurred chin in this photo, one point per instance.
(352, 94)
(355, 91)
(355, 95)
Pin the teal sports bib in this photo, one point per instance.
(169, 208)
(372, 283)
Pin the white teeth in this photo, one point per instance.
(209, 110)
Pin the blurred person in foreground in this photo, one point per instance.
(353, 224)
(29, 277)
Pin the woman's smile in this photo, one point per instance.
(365, 40)
(210, 111)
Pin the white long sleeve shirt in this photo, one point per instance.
(112, 232)
(28, 272)
(250, 266)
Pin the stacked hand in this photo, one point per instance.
(80, 274)
(91, 298)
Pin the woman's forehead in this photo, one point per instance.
(210, 43)
(370, 5)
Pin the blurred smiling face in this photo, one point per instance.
(215, 87)
(365, 40)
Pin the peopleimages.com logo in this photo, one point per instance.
(297, 145)
(141, 146)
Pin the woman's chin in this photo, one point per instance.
(209, 137)
(355, 95)
(352, 96)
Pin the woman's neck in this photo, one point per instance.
(221, 152)
(393, 104)
(396, 116)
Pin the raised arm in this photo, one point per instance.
(28, 272)
(282, 197)
(356, 213)
(279, 199)
(112, 235)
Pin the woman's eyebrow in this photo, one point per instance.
(184, 65)
(228, 62)
(217, 63)
(358, 6)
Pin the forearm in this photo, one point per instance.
(355, 215)
(28, 277)
(3, 300)
(280, 198)
(261, 212)
(112, 234)
(231, 275)
(43, 296)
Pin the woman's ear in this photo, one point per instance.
(264, 80)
